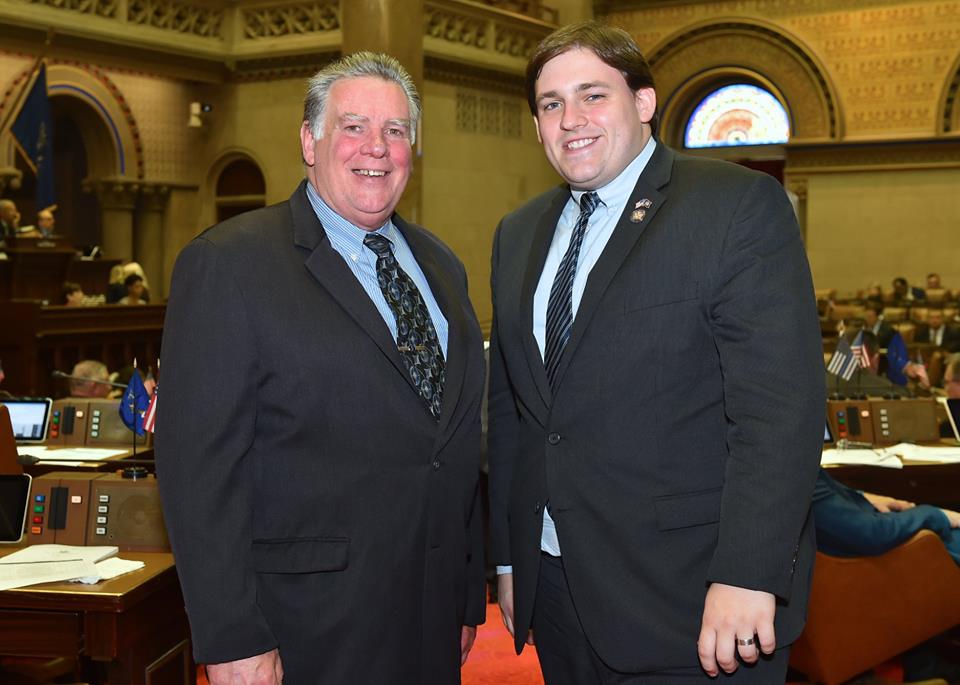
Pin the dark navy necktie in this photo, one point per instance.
(416, 337)
(560, 304)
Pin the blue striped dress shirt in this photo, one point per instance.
(347, 240)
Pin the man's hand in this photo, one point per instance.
(467, 636)
(953, 517)
(262, 669)
(918, 372)
(730, 614)
(505, 595)
(885, 504)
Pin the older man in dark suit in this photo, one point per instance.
(656, 394)
(318, 440)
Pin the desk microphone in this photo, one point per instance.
(61, 374)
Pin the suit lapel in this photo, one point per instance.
(646, 199)
(445, 291)
(537, 256)
(326, 265)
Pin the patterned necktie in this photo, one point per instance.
(560, 304)
(416, 336)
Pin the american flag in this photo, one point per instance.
(860, 351)
(842, 363)
(150, 416)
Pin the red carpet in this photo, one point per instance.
(493, 661)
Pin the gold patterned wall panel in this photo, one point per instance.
(890, 62)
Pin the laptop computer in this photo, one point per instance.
(30, 417)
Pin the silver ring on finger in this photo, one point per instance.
(745, 642)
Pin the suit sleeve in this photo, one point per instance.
(765, 327)
(503, 429)
(205, 430)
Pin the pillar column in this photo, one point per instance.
(148, 236)
(117, 199)
(797, 187)
(396, 28)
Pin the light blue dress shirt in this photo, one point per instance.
(613, 199)
(347, 240)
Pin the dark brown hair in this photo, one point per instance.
(614, 46)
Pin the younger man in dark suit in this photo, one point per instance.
(318, 440)
(656, 394)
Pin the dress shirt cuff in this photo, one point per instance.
(502, 570)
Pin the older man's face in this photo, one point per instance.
(361, 165)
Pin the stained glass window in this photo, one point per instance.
(738, 114)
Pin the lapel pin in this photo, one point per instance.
(638, 215)
(643, 204)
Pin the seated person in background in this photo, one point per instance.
(873, 320)
(134, 285)
(933, 281)
(73, 295)
(9, 219)
(951, 377)
(853, 523)
(865, 381)
(902, 292)
(45, 222)
(88, 372)
(936, 331)
(874, 293)
(116, 289)
(134, 268)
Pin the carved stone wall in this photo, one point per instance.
(891, 62)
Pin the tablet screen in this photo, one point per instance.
(30, 417)
(14, 496)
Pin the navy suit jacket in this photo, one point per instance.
(313, 502)
(849, 526)
(680, 442)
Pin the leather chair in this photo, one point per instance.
(866, 610)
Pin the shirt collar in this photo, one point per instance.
(615, 194)
(345, 231)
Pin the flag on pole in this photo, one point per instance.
(150, 418)
(32, 133)
(897, 359)
(842, 363)
(860, 351)
(134, 403)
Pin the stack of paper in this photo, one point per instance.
(937, 454)
(861, 457)
(51, 563)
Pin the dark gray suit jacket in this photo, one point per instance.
(681, 444)
(311, 499)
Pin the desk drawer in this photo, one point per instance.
(39, 633)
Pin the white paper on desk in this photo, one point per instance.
(110, 568)
(35, 572)
(858, 457)
(52, 553)
(936, 454)
(72, 453)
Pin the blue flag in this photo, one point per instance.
(897, 359)
(843, 362)
(33, 134)
(134, 403)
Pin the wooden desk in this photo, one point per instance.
(923, 483)
(131, 630)
(36, 340)
(37, 269)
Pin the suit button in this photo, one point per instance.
(554, 438)
(536, 509)
(436, 464)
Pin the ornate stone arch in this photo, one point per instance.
(106, 122)
(948, 110)
(695, 61)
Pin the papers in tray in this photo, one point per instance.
(861, 457)
(71, 455)
(937, 453)
(51, 563)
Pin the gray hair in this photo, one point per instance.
(357, 65)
